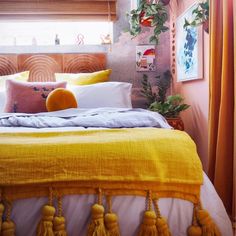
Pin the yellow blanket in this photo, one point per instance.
(120, 161)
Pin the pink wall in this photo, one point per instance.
(196, 93)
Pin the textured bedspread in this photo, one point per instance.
(124, 161)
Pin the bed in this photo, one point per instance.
(128, 160)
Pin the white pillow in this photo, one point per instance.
(2, 100)
(108, 94)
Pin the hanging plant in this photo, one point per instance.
(200, 16)
(149, 14)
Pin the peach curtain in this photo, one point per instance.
(222, 100)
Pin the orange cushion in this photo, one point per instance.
(60, 99)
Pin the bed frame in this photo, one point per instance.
(43, 66)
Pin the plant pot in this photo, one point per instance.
(176, 123)
(145, 21)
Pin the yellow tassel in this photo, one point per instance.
(8, 228)
(1, 214)
(208, 226)
(111, 221)
(45, 226)
(59, 226)
(148, 226)
(161, 223)
(59, 222)
(97, 227)
(194, 229)
(162, 227)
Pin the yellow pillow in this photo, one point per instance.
(60, 99)
(84, 78)
(22, 76)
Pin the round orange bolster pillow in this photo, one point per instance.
(60, 99)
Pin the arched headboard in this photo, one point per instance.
(43, 66)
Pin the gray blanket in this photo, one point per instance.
(99, 117)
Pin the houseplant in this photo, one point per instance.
(149, 14)
(201, 16)
(168, 106)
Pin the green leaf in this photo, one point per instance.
(164, 28)
(186, 23)
(153, 39)
(157, 31)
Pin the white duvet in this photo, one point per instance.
(97, 117)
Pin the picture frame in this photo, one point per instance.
(189, 48)
(145, 58)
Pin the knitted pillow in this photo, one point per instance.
(84, 78)
(28, 97)
(60, 99)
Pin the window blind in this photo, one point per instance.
(78, 10)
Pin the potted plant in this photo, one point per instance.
(171, 106)
(201, 16)
(149, 14)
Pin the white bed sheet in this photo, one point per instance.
(26, 212)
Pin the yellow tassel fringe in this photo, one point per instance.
(1, 214)
(97, 226)
(194, 229)
(208, 226)
(45, 226)
(59, 222)
(59, 226)
(148, 226)
(111, 222)
(8, 228)
(161, 223)
(202, 225)
(162, 227)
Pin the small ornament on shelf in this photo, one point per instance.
(106, 39)
(34, 41)
(57, 40)
(80, 39)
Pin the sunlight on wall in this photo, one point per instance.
(44, 33)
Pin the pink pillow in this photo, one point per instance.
(28, 97)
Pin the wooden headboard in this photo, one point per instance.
(43, 66)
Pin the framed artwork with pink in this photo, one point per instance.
(145, 58)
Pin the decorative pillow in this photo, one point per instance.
(28, 97)
(60, 99)
(109, 94)
(22, 76)
(84, 78)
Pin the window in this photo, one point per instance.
(68, 22)
(44, 33)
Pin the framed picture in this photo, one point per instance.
(145, 58)
(189, 48)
